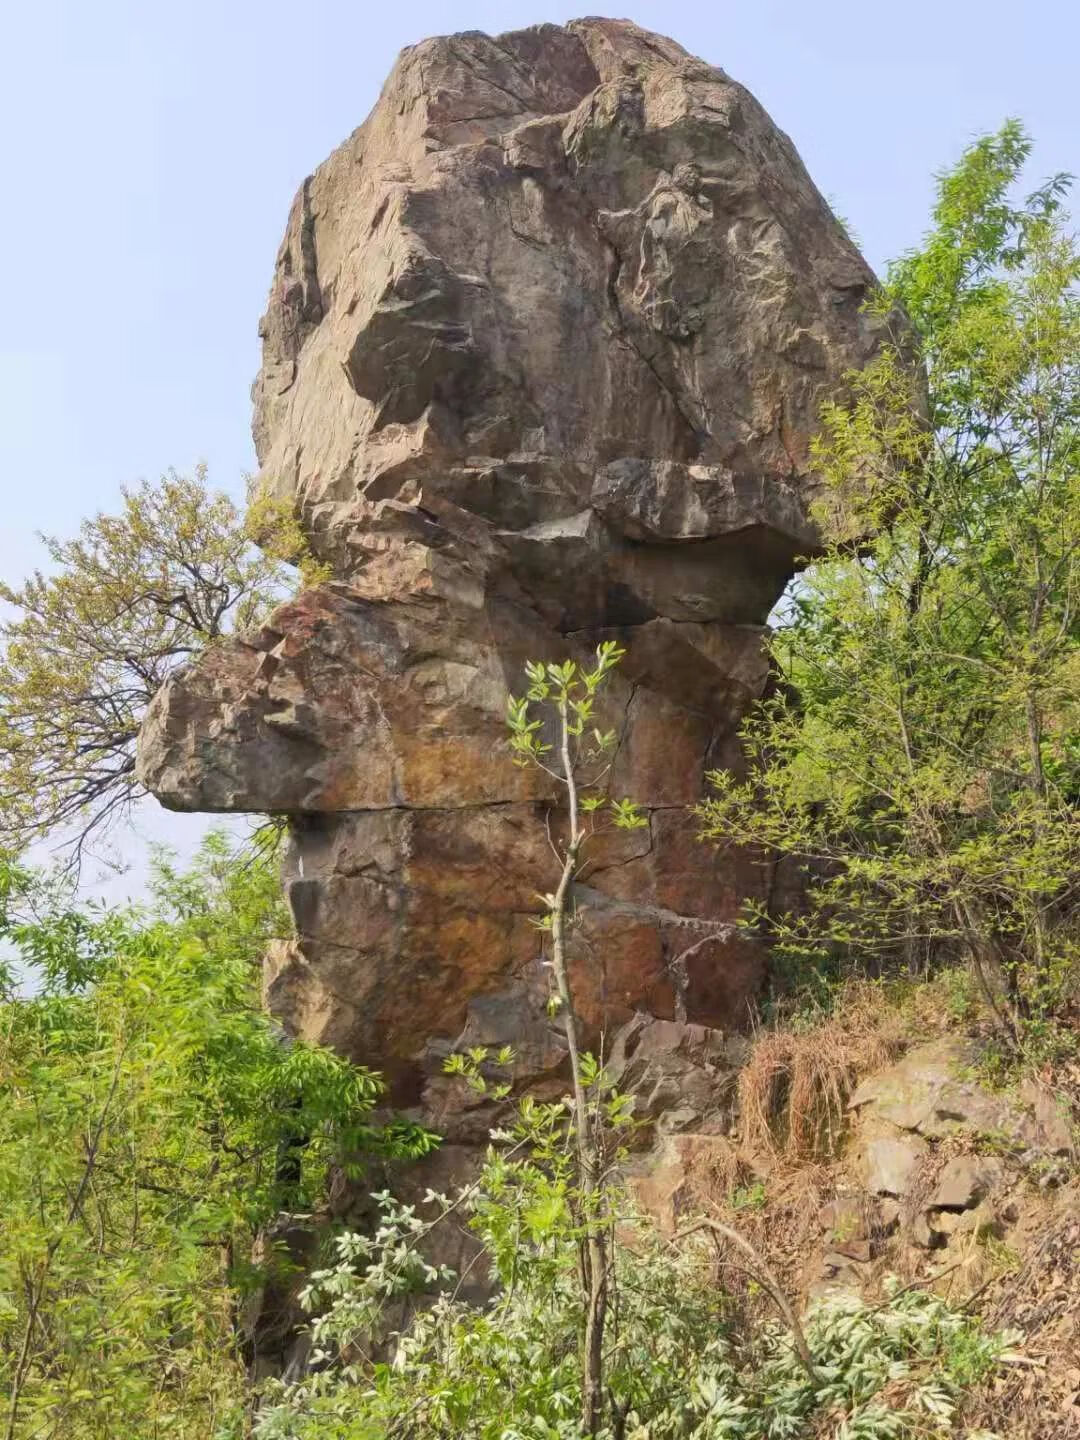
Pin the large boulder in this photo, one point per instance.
(564, 308)
(545, 351)
(935, 1092)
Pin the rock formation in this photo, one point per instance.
(546, 346)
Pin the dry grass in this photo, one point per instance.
(793, 1094)
(784, 1231)
(787, 1160)
(781, 1230)
(716, 1174)
(794, 1090)
(1039, 1399)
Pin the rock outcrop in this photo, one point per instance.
(546, 347)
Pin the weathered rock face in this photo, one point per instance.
(566, 301)
(546, 346)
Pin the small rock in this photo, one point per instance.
(965, 1180)
(671, 1181)
(888, 1216)
(923, 1235)
(858, 1250)
(981, 1221)
(1052, 1117)
(681, 1118)
(889, 1164)
(847, 1228)
(844, 1219)
(905, 1093)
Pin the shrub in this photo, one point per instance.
(676, 1368)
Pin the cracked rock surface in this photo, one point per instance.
(545, 350)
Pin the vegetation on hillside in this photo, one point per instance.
(923, 757)
(153, 1120)
(679, 1365)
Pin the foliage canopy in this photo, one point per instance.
(924, 759)
(153, 1121)
(88, 644)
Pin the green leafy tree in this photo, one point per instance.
(577, 757)
(153, 1121)
(86, 645)
(924, 758)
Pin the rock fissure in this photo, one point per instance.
(625, 336)
(524, 103)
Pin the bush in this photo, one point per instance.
(153, 1120)
(676, 1366)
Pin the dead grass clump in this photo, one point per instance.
(717, 1172)
(794, 1089)
(784, 1230)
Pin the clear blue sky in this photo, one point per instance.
(149, 152)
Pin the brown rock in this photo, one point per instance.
(858, 1250)
(979, 1220)
(844, 1220)
(1053, 1115)
(681, 1075)
(888, 1216)
(545, 349)
(904, 1094)
(674, 1181)
(889, 1163)
(562, 293)
(965, 1180)
(934, 1090)
(923, 1235)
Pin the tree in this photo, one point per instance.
(90, 642)
(578, 763)
(147, 1106)
(924, 758)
